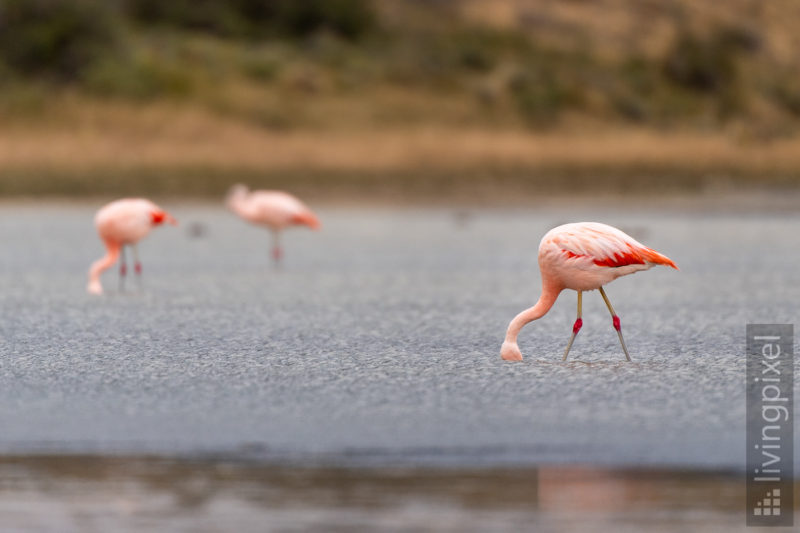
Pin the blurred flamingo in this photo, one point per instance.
(275, 209)
(124, 223)
(582, 256)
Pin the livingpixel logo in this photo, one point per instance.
(770, 425)
(770, 505)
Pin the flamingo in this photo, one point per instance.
(582, 256)
(276, 210)
(124, 223)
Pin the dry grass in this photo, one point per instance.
(196, 142)
(168, 148)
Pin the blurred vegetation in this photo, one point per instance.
(137, 96)
(58, 40)
(256, 19)
(262, 61)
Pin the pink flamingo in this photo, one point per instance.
(124, 223)
(275, 209)
(582, 256)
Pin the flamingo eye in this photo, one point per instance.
(157, 217)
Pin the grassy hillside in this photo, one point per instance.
(192, 95)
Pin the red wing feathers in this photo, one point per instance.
(621, 258)
(609, 250)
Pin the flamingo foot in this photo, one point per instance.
(510, 352)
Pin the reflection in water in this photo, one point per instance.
(130, 493)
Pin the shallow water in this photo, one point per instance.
(89, 494)
(377, 343)
(360, 387)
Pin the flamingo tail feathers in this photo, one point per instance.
(306, 218)
(652, 256)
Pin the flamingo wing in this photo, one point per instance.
(281, 209)
(605, 246)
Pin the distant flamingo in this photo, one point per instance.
(123, 223)
(581, 256)
(275, 209)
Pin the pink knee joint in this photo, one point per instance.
(138, 268)
(577, 326)
(617, 324)
(123, 269)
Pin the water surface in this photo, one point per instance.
(377, 343)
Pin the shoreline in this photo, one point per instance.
(774, 201)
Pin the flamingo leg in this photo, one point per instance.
(616, 322)
(575, 327)
(277, 251)
(137, 265)
(123, 269)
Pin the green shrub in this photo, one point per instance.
(259, 68)
(787, 96)
(708, 67)
(348, 18)
(55, 38)
(708, 63)
(215, 16)
(258, 18)
(550, 82)
(139, 78)
(540, 95)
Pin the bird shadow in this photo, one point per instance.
(576, 364)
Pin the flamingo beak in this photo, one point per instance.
(159, 217)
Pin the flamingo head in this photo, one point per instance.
(94, 287)
(235, 194)
(159, 217)
(509, 351)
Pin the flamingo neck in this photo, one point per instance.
(104, 263)
(549, 294)
(238, 203)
